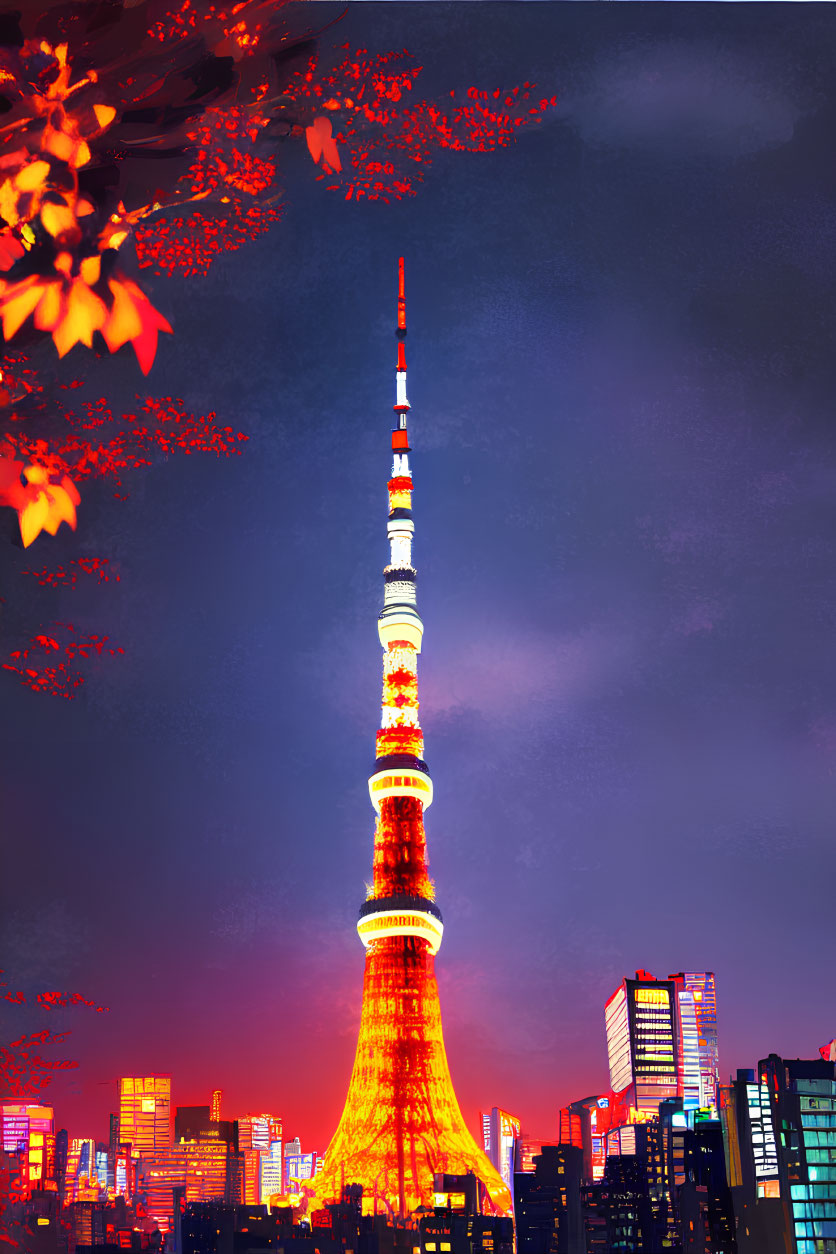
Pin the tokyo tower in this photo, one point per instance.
(401, 1122)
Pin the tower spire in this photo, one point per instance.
(401, 403)
(401, 1123)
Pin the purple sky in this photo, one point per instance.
(621, 364)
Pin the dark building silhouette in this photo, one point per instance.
(669, 1193)
(446, 1231)
(578, 1125)
(62, 1143)
(547, 1203)
(217, 1228)
(193, 1122)
(706, 1211)
(465, 1193)
(209, 1228)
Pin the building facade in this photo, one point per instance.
(779, 1128)
(699, 987)
(145, 1114)
(643, 1041)
(500, 1133)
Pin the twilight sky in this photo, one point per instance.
(621, 365)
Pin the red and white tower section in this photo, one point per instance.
(401, 1122)
(400, 769)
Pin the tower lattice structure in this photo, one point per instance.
(401, 1123)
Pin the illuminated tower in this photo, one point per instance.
(401, 1123)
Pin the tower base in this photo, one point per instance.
(401, 1123)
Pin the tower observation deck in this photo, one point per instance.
(401, 1122)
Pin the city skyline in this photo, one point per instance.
(706, 1167)
(624, 451)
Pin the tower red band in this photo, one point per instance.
(401, 1123)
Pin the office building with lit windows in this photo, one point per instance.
(27, 1130)
(500, 1132)
(271, 1171)
(643, 1041)
(699, 988)
(157, 1178)
(687, 1047)
(779, 1128)
(662, 1042)
(145, 1114)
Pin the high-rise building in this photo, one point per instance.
(643, 1041)
(401, 1123)
(779, 1128)
(705, 1198)
(62, 1143)
(27, 1129)
(123, 1173)
(217, 1097)
(271, 1171)
(145, 1114)
(206, 1160)
(688, 1079)
(701, 987)
(254, 1131)
(157, 1178)
(105, 1170)
(585, 1124)
(260, 1141)
(298, 1167)
(547, 1203)
(570, 1126)
(81, 1182)
(500, 1133)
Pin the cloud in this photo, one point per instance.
(504, 672)
(682, 98)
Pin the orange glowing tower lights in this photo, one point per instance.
(401, 1122)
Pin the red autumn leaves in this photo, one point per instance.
(75, 290)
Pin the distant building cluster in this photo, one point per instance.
(66, 1194)
(667, 1158)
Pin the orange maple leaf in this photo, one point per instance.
(48, 505)
(69, 308)
(133, 317)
